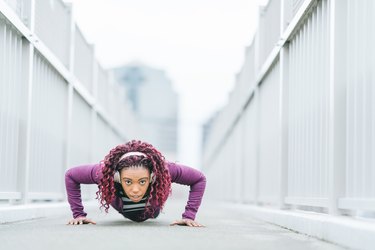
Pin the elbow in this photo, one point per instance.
(203, 180)
(68, 175)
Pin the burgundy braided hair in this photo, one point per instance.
(160, 188)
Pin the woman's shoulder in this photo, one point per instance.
(181, 172)
(172, 168)
(175, 165)
(170, 165)
(175, 169)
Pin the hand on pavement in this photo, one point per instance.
(186, 222)
(81, 221)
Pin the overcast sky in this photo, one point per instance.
(199, 43)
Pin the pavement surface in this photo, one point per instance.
(226, 228)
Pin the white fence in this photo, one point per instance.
(58, 106)
(299, 129)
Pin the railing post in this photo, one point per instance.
(244, 153)
(70, 89)
(257, 139)
(284, 98)
(93, 109)
(337, 111)
(25, 132)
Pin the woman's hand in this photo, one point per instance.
(81, 221)
(186, 222)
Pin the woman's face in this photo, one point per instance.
(135, 181)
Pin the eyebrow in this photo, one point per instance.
(132, 179)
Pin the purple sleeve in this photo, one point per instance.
(195, 179)
(74, 177)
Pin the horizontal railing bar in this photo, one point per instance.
(302, 201)
(10, 195)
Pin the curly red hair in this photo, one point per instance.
(155, 162)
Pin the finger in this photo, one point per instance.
(196, 224)
(90, 222)
(180, 223)
(193, 223)
(189, 223)
(174, 223)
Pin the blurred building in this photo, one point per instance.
(155, 104)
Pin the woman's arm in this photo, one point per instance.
(196, 180)
(74, 177)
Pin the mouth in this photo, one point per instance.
(136, 197)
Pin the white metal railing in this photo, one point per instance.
(58, 106)
(269, 138)
(308, 109)
(53, 16)
(83, 60)
(48, 106)
(269, 30)
(301, 119)
(11, 93)
(360, 115)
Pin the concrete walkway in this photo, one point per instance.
(225, 229)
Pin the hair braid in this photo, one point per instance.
(155, 162)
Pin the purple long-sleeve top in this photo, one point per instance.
(91, 174)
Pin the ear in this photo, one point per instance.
(116, 177)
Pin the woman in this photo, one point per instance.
(134, 179)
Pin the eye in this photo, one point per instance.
(142, 182)
(127, 182)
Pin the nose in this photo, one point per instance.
(135, 189)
